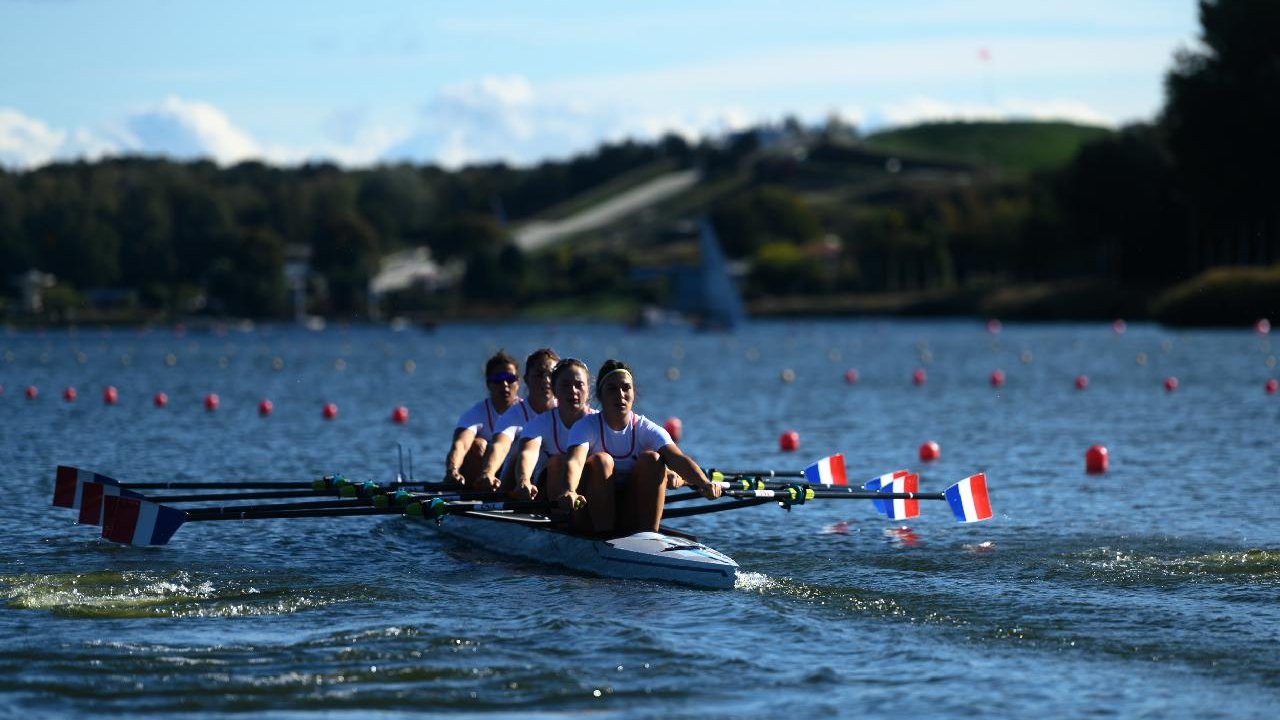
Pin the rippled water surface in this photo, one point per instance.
(1153, 590)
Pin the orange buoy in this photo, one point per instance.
(160, 400)
(1096, 459)
(997, 378)
(330, 411)
(211, 402)
(400, 415)
(789, 441)
(1082, 382)
(110, 395)
(69, 394)
(1271, 386)
(930, 451)
(918, 377)
(32, 392)
(1170, 384)
(265, 407)
(851, 376)
(674, 428)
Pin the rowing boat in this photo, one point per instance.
(669, 555)
(520, 529)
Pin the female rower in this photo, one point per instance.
(476, 426)
(539, 459)
(618, 452)
(495, 469)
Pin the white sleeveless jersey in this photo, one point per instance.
(639, 435)
(552, 435)
(483, 418)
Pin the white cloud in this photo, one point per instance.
(187, 129)
(26, 142)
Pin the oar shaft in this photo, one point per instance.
(261, 495)
(765, 474)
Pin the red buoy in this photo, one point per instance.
(1263, 326)
(211, 402)
(1082, 382)
(109, 395)
(265, 407)
(674, 428)
(994, 326)
(851, 376)
(330, 411)
(918, 377)
(930, 451)
(997, 378)
(160, 400)
(789, 441)
(32, 392)
(69, 394)
(1118, 326)
(1271, 386)
(1095, 460)
(1170, 383)
(400, 415)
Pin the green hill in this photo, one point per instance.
(1025, 146)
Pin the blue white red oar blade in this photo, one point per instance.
(92, 495)
(968, 499)
(885, 483)
(827, 471)
(69, 481)
(134, 521)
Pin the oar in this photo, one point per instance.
(967, 498)
(69, 481)
(137, 521)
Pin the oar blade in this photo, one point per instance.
(135, 521)
(885, 483)
(69, 482)
(827, 471)
(968, 499)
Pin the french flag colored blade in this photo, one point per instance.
(69, 482)
(92, 495)
(884, 482)
(968, 499)
(902, 508)
(134, 521)
(827, 471)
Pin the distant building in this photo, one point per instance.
(408, 269)
(31, 287)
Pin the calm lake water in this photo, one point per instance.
(1153, 590)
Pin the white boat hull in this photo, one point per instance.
(645, 556)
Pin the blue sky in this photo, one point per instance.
(361, 83)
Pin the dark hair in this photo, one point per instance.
(564, 365)
(498, 360)
(609, 366)
(538, 356)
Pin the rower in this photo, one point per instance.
(495, 471)
(618, 462)
(541, 445)
(475, 428)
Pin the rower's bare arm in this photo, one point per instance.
(462, 439)
(686, 468)
(526, 459)
(493, 457)
(575, 461)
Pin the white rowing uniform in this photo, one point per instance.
(640, 434)
(512, 421)
(482, 418)
(552, 434)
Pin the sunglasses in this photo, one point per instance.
(503, 377)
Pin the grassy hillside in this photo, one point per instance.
(1025, 146)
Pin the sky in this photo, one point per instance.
(383, 81)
